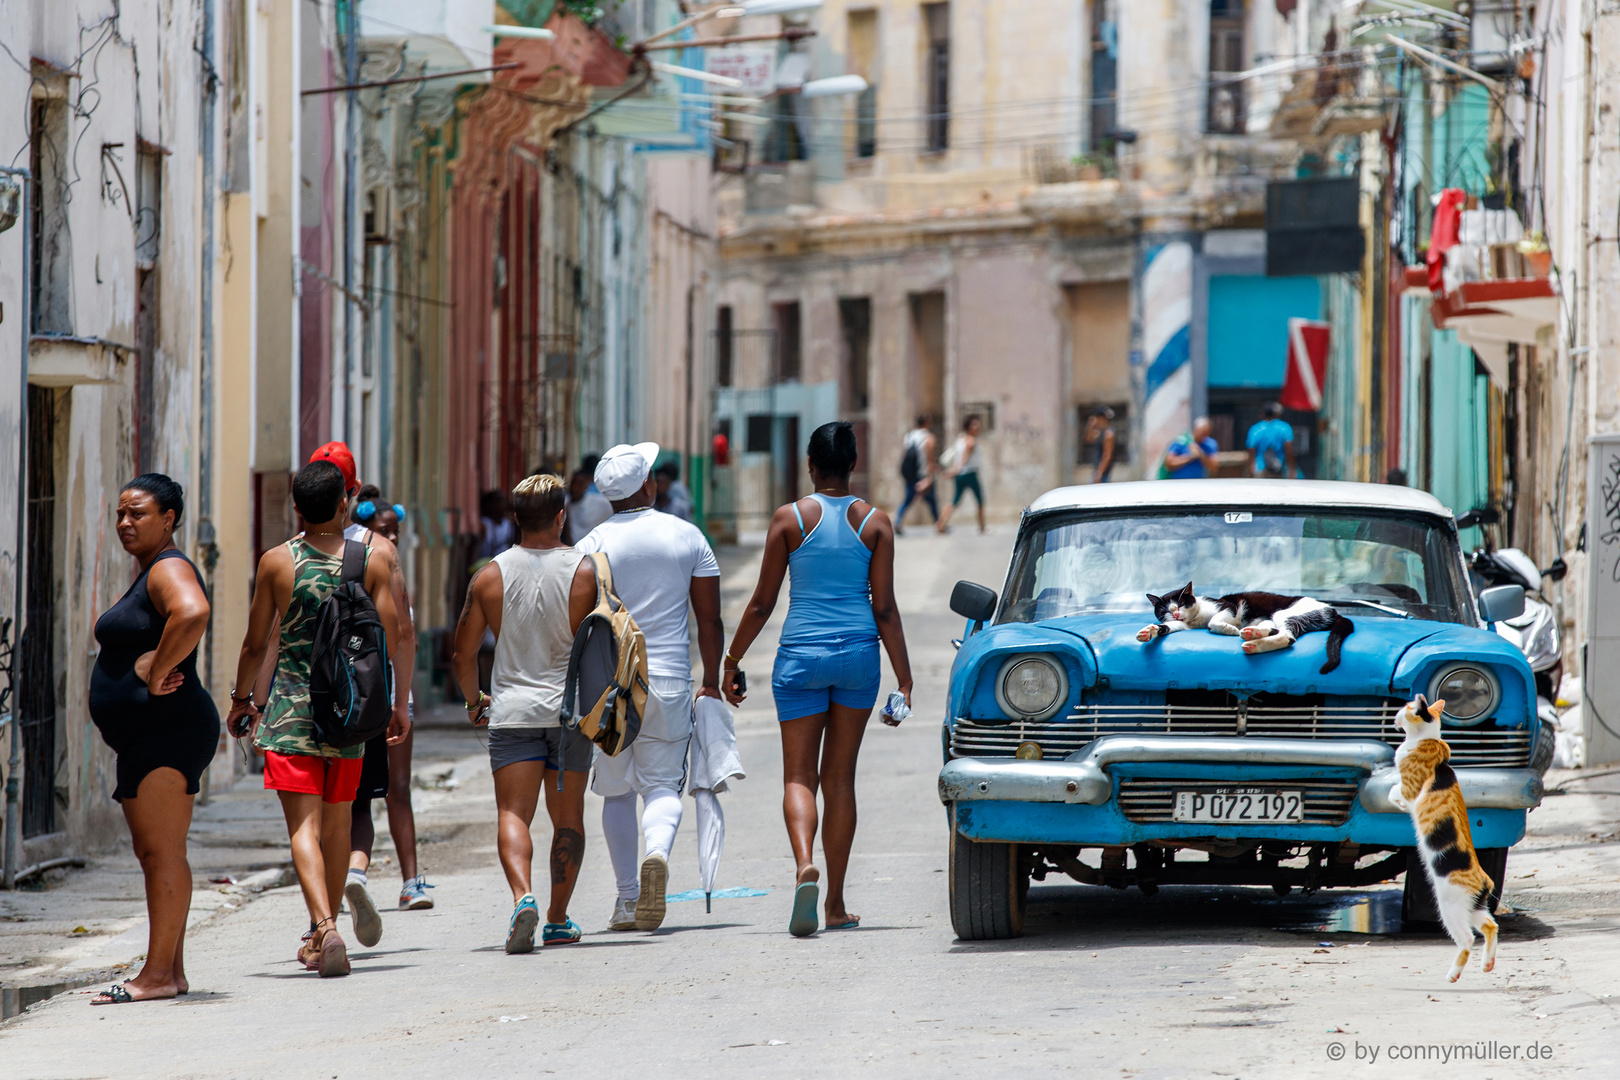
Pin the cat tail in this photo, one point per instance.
(1341, 629)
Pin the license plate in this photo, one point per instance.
(1240, 806)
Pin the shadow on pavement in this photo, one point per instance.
(1084, 916)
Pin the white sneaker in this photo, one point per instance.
(624, 915)
(650, 904)
(368, 925)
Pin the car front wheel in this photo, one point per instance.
(1419, 912)
(989, 888)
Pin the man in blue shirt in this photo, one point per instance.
(1271, 444)
(1192, 457)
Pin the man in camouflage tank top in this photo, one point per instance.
(316, 783)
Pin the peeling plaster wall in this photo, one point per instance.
(127, 73)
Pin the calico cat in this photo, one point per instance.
(1265, 621)
(1429, 793)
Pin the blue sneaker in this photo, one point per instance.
(414, 897)
(563, 933)
(525, 917)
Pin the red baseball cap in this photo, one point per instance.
(338, 454)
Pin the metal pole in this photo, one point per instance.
(13, 790)
(351, 68)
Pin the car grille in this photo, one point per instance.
(1058, 737)
(1327, 802)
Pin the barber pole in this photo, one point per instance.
(1307, 365)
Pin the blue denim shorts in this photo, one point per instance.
(809, 679)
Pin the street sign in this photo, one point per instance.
(755, 68)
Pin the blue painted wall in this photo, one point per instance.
(1459, 412)
(1248, 326)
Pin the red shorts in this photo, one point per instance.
(335, 780)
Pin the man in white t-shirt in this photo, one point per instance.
(660, 564)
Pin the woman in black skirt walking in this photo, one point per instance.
(154, 712)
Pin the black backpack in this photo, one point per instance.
(351, 683)
(911, 462)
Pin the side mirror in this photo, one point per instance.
(1501, 602)
(973, 602)
(1479, 515)
(1557, 571)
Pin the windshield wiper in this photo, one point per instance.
(1368, 603)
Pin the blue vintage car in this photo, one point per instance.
(1071, 746)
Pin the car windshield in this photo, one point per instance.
(1386, 565)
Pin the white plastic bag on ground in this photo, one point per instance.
(1569, 746)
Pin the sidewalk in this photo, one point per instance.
(79, 926)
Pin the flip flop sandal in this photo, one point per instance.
(854, 921)
(115, 994)
(803, 921)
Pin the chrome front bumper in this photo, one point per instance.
(1083, 776)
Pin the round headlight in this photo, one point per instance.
(1470, 692)
(1031, 687)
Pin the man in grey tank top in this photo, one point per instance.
(532, 597)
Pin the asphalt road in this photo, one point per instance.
(1192, 982)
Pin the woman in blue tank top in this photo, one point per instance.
(838, 553)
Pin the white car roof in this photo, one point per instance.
(1239, 494)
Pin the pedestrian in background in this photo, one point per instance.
(1100, 442)
(587, 507)
(533, 596)
(673, 497)
(917, 472)
(158, 717)
(386, 770)
(1192, 456)
(838, 552)
(1271, 444)
(315, 782)
(660, 565)
(496, 532)
(962, 461)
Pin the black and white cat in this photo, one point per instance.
(1265, 621)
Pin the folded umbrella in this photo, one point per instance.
(711, 833)
(715, 763)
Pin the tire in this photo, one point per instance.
(1493, 861)
(1419, 912)
(989, 889)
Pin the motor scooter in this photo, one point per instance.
(1535, 631)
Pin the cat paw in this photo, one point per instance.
(1250, 633)
(1456, 973)
(1250, 648)
(1147, 633)
(1490, 965)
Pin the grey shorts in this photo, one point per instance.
(560, 748)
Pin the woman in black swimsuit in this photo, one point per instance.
(154, 712)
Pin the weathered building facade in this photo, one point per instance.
(111, 310)
(1020, 220)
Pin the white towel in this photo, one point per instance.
(715, 760)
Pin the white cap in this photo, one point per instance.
(623, 470)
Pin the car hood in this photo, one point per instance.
(1198, 659)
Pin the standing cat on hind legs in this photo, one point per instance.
(1265, 621)
(1429, 792)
